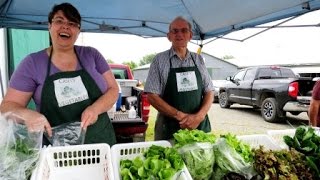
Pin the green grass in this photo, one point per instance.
(151, 123)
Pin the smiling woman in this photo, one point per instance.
(73, 83)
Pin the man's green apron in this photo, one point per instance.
(184, 91)
(60, 103)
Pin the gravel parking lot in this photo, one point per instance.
(239, 120)
(242, 120)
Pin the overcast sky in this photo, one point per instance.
(276, 46)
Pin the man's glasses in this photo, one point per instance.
(60, 22)
(183, 31)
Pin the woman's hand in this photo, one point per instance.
(14, 104)
(39, 123)
(34, 121)
(88, 117)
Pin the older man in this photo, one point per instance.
(179, 85)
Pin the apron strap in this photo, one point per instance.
(194, 62)
(49, 63)
(50, 57)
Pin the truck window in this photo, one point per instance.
(287, 73)
(120, 73)
(267, 72)
(275, 73)
(250, 75)
(239, 75)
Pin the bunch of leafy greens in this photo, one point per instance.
(199, 159)
(19, 150)
(242, 148)
(185, 136)
(196, 149)
(306, 141)
(159, 162)
(227, 160)
(18, 160)
(281, 164)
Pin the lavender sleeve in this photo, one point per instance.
(101, 64)
(23, 78)
(95, 64)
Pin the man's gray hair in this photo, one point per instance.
(183, 19)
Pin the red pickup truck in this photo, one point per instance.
(132, 94)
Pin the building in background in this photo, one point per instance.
(218, 68)
(306, 70)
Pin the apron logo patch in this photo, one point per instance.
(186, 81)
(69, 91)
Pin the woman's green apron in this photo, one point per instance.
(184, 91)
(61, 102)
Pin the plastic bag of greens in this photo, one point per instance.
(199, 159)
(195, 147)
(19, 148)
(66, 134)
(228, 160)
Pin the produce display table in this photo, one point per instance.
(100, 161)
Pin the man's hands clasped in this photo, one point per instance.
(188, 121)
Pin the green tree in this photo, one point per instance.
(131, 64)
(147, 59)
(227, 57)
(110, 61)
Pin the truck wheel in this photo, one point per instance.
(270, 111)
(223, 100)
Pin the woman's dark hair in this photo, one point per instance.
(71, 13)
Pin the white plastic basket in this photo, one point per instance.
(277, 136)
(132, 150)
(126, 86)
(257, 140)
(80, 162)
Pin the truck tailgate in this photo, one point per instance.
(305, 86)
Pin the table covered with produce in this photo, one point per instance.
(192, 154)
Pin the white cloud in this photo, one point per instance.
(275, 46)
(122, 48)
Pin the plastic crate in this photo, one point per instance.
(126, 86)
(277, 136)
(81, 162)
(132, 150)
(260, 140)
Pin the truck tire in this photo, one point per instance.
(223, 100)
(270, 111)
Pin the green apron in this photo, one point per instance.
(188, 101)
(101, 131)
